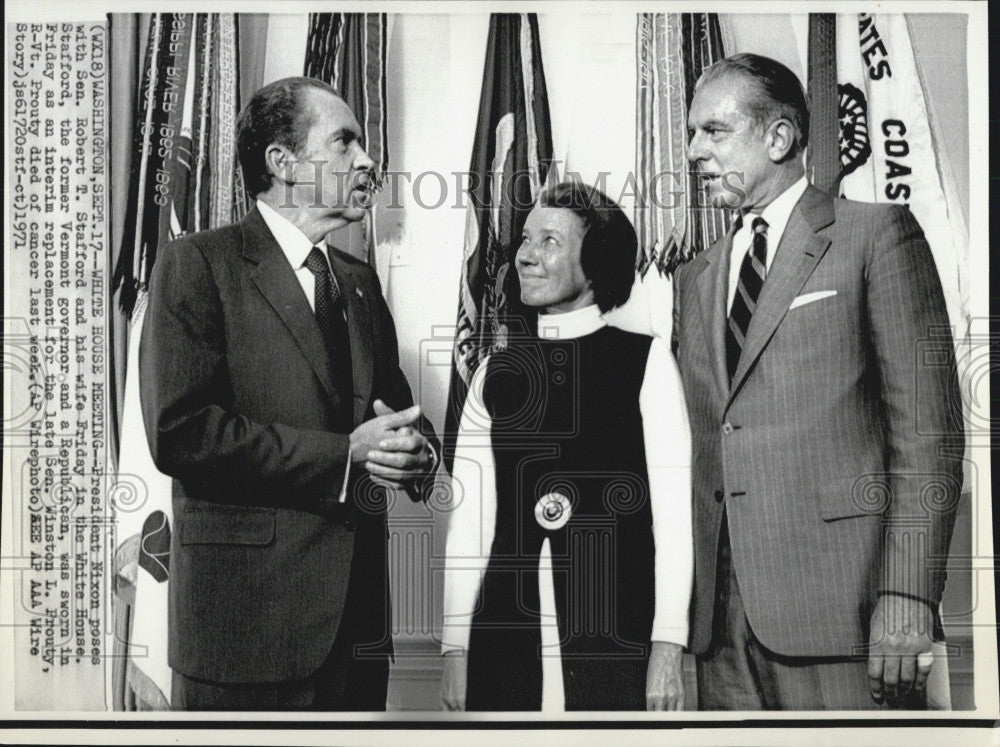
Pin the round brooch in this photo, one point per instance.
(552, 511)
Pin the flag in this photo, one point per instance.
(672, 220)
(184, 172)
(511, 161)
(823, 155)
(347, 50)
(184, 178)
(142, 499)
(886, 150)
(887, 154)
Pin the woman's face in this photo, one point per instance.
(548, 261)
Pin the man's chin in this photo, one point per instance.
(350, 214)
(335, 220)
(354, 213)
(725, 199)
(717, 194)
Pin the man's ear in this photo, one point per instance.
(280, 162)
(780, 140)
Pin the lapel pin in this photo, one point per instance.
(552, 511)
(359, 292)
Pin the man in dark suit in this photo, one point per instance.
(820, 380)
(272, 395)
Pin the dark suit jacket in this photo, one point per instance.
(836, 450)
(240, 408)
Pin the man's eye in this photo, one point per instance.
(344, 142)
(551, 240)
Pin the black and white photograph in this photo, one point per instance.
(461, 371)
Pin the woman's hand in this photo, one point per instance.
(665, 678)
(453, 681)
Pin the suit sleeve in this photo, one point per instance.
(194, 434)
(918, 382)
(392, 387)
(394, 390)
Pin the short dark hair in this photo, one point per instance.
(778, 92)
(610, 244)
(276, 114)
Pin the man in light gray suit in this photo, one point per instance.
(820, 380)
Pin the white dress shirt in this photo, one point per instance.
(668, 460)
(776, 214)
(296, 247)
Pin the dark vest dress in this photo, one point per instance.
(566, 428)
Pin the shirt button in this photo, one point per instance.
(718, 496)
(727, 428)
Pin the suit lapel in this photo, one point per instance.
(359, 325)
(800, 250)
(712, 291)
(276, 280)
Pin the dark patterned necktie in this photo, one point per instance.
(329, 305)
(751, 280)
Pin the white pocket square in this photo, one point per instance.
(810, 297)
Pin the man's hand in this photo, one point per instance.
(369, 436)
(400, 456)
(665, 678)
(453, 681)
(901, 630)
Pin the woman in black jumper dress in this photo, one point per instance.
(573, 450)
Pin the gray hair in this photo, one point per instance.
(777, 92)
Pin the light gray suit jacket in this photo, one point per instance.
(836, 451)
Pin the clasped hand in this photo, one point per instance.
(391, 449)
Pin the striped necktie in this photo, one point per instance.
(329, 310)
(751, 280)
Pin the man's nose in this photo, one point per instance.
(362, 161)
(695, 148)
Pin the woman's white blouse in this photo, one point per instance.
(668, 460)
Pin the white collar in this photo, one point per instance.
(780, 209)
(294, 244)
(570, 324)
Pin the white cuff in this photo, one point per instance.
(342, 498)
